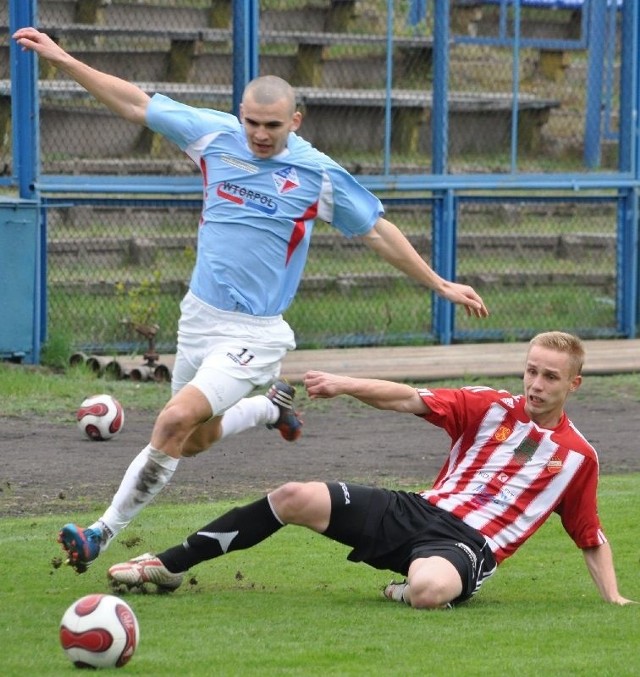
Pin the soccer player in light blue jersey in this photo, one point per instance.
(263, 187)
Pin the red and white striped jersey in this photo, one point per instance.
(505, 475)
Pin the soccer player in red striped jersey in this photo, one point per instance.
(513, 461)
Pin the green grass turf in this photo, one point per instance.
(294, 606)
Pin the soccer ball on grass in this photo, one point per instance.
(99, 631)
(100, 417)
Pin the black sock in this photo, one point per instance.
(237, 529)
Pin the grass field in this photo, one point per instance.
(294, 606)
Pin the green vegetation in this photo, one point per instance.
(55, 394)
(538, 265)
(294, 606)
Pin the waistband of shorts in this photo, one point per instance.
(235, 316)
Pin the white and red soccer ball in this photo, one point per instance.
(99, 631)
(100, 417)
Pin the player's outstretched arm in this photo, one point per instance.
(120, 96)
(374, 392)
(387, 240)
(599, 561)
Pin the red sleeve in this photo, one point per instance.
(578, 508)
(458, 410)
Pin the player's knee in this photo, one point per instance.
(429, 594)
(293, 500)
(175, 421)
(286, 499)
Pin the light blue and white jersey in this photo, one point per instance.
(258, 214)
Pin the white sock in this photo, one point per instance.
(146, 476)
(248, 413)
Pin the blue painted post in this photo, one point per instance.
(515, 86)
(440, 104)
(417, 12)
(593, 122)
(246, 18)
(388, 110)
(628, 252)
(441, 221)
(627, 310)
(627, 141)
(24, 102)
(25, 139)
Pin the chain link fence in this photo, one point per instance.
(117, 266)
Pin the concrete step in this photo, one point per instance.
(73, 124)
(141, 248)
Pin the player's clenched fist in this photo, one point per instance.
(321, 384)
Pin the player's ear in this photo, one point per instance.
(296, 121)
(576, 382)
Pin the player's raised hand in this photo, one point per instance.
(466, 296)
(32, 39)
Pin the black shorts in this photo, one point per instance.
(389, 529)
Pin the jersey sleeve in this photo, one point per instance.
(356, 210)
(183, 124)
(456, 410)
(344, 203)
(578, 508)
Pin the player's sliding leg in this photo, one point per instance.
(304, 504)
(237, 529)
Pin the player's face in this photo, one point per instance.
(548, 380)
(268, 126)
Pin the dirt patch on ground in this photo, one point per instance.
(48, 468)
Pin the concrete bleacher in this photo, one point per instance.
(69, 249)
(549, 23)
(477, 122)
(189, 54)
(186, 52)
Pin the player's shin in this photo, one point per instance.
(144, 479)
(238, 529)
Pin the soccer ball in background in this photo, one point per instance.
(100, 417)
(99, 631)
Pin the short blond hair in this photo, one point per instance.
(562, 342)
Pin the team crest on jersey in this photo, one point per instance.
(286, 179)
(502, 433)
(554, 465)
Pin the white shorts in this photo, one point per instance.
(225, 354)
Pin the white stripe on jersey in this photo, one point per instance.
(534, 513)
(326, 201)
(486, 487)
(195, 150)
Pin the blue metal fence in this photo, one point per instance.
(444, 190)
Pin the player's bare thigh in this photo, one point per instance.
(433, 582)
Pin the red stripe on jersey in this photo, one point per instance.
(299, 229)
(505, 475)
(493, 479)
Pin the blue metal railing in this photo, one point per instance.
(443, 188)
